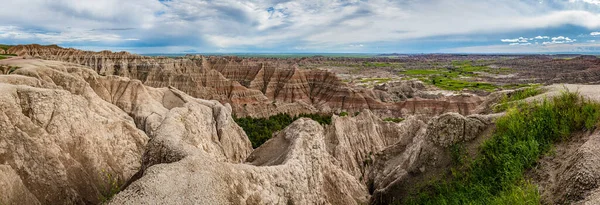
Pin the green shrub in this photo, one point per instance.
(259, 130)
(342, 114)
(12, 69)
(526, 132)
(112, 186)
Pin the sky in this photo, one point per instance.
(307, 26)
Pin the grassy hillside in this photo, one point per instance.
(5, 47)
(495, 175)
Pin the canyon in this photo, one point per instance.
(253, 87)
(82, 127)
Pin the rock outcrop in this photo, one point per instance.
(84, 131)
(68, 134)
(66, 144)
(570, 175)
(292, 168)
(422, 154)
(254, 87)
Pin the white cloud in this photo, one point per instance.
(556, 48)
(595, 2)
(595, 33)
(525, 41)
(519, 40)
(312, 24)
(72, 35)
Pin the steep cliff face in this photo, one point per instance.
(254, 87)
(172, 148)
(422, 154)
(65, 144)
(292, 168)
(68, 135)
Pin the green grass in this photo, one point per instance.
(453, 78)
(259, 130)
(396, 120)
(5, 56)
(5, 47)
(457, 85)
(13, 69)
(509, 100)
(496, 174)
(111, 187)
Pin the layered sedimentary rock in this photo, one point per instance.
(254, 87)
(66, 144)
(354, 141)
(422, 154)
(292, 168)
(67, 132)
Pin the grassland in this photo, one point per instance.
(496, 174)
(5, 47)
(454, 77)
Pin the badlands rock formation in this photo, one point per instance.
(254, 87)
(66, 141)
(69, 133)
(68, 127)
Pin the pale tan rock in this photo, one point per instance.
(257, 87)
(571, 174)
(292, 168)
(451, 128)
(62, 144)
(83, 137)
(12, 189)
(354, 141)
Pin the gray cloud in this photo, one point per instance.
(309, 24)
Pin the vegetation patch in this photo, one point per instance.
(510, 100)
(5, 47)
(259, 130)
(522, 136)
(391, 119)
(454, 77)
(112, 186)
(13, 69)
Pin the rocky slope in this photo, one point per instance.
(67, 132)
(65, 143)
(69, 135)
(254, 87)
(166, 146)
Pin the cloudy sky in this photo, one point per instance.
(357, 26)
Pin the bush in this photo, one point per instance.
(526, 132)
(111, 187)
(259, 130)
